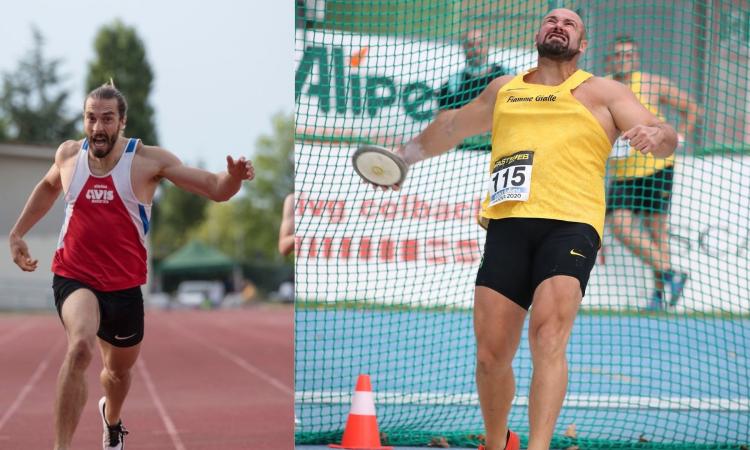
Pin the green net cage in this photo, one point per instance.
(659, 356)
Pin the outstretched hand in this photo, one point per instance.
(20, 253)
(241, 168)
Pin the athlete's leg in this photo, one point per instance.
(115, 376)
(80, 315)
(498, 323)
(657, 226)
(556, 302)
(627, 229)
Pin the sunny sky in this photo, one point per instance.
(222, 67)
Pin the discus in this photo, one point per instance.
(379, 166)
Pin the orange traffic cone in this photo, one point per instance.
(361, 432)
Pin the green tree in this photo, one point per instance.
(33, 102)
(247, 228)
(121, 56)
(174, 214)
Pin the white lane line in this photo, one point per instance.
(735, 404)
(26, 389)
(168, 424)
(241, 362)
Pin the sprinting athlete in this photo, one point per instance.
(108, 181)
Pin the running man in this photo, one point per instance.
(552, 131)
(642, 185)
(100, 263)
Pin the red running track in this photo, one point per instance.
(205, 380)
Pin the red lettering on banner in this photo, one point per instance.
(388, 210)
(327, 247)
(467, 251)
(335, 209)
(312, 251)
(435, 251)
(365, 210)
(387, 250)
(419, 209)
(317, 207)
(409, 250)
(346, 244)
(443, 212)
(406, 207)
(458, 213)
(364, 249)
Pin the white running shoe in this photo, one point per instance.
(114, 435)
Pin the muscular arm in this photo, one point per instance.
(673, 96)
(39, 203)
(286, 231)
(645, 131)
(214, 186)
(450, 127)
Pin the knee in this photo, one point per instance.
(549, 339)
(491, 358)
(80, 353)
(116, 375)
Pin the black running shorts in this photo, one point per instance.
(521, 253)
(651, 194)
(120, 312)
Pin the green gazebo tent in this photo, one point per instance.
(197, 261)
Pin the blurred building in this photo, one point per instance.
(21, 168)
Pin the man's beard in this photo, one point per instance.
(556, 51)
(110, 141)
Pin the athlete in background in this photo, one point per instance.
(641, 188)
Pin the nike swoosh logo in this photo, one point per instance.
(120, 338)
(575, 253)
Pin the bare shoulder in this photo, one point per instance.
(156, 154)
(604, 85)
(501, 81)
(606, 89)
(67, 150)
(490, 92)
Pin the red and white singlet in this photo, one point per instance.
(102, 241)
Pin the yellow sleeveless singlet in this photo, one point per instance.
(549, 155)
(636, 164)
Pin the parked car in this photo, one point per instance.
(200, 293)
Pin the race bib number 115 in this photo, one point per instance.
(511, 178)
